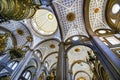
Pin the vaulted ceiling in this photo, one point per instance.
(69, 21)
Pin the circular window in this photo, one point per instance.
(115, 8)
(75, 38)
(44, 22)
(102, 32)
(113, 14)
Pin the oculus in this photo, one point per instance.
(115, 8)
(102, 31)
(113, 14)
(75, 38)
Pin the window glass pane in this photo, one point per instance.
(113, 40)
(24, 74)
(11, 64)
(117, 35)
(27, 75)
(15, 65)
(115, 8)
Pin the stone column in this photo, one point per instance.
(60, 74)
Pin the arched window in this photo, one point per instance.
(27, 75)
(38, 54)
(13, 65)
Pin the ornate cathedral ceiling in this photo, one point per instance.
(77, 60)
(70, 16)
(113, 14)
(49, 52)
(19, 33)
(103, 16)
(97, 14)
(64, 20)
